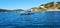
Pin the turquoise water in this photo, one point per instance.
(36, 20)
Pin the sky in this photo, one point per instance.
(22, 4)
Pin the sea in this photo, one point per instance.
(48, 19)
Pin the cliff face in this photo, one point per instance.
(53, 5)
(44, 7)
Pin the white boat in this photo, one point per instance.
(22, 12)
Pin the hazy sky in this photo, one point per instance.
(22, 4)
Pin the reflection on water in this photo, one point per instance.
(37, 20)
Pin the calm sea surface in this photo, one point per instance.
(36, 20)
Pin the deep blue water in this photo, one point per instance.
(36, 20)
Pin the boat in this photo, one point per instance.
(27, 13)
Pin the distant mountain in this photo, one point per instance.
(16, 10)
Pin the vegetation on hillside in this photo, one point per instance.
(50, 5)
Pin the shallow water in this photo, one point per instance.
(36, 20)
